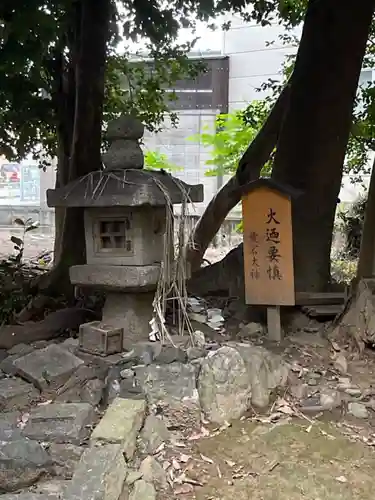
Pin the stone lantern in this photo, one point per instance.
(125, 213)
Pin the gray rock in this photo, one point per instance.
(133, 476)
(47, 368)
(153, 472)
(20, 349)
(251, 330)
(311, 404)
(154, 433)
(143, 491)
(235, 375)
(92, 392)
(64, 458)
(9, 429)
(329, 398)
(299, 391)
(353, 391)
(223, 385)
(267, 371)
(15, 394)
(358, 410)
(173, 388)
(60, 423)
(121, 423)
(171, 354)
(22, 463)
(340, 364)
(195, 353)
(130, 389)
(127, 373)
(175, 381)
(100, 474)
(199, 339)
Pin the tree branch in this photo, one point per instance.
(229, 196)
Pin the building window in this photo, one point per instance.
(114, 235)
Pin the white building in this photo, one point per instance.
(256, 54)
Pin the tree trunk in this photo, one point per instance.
(89, 62)
(366, 263)
(314, 136)
(229, 195)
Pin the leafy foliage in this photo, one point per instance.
(230, 138)
(19, 243)
(159, 161)
(352, 225)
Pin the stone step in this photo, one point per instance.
(323, 298)
(327, 311)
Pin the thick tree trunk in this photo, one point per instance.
(314, 136)
(366, 263)
(229, 195)
(84, 155)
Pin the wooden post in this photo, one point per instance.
(268, 249)
(274, 323)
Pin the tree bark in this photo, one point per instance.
(312, 143)
(366, 262)
(89, 61)
(229, 196)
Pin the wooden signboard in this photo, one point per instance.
(268, 248)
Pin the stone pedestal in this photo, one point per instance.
(130, 311)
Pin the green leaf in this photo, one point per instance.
(16, 241)
(19, 222)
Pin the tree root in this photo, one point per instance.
(51, 327)
(225, 277)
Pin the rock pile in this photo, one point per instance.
(78, 426)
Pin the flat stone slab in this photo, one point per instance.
(115, 277)
(15, 394)
(8, 426)
(100, 474)
(47, 368)
(121, 424)
(60, 423)
(22, 463)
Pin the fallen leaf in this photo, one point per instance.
(341, 479)
(176, 465)
(219, 472)
(184, 458)
(206, 459)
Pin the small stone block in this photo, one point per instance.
(47, 368)
(60, 423)
(100, 474)
(121, 424)
(99, 338)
